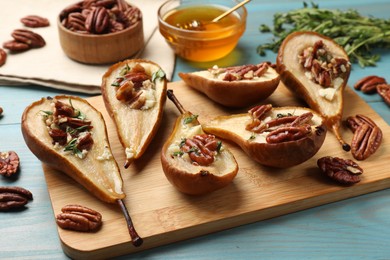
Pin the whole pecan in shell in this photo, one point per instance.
(12, 197)
(79, 218)
(3, 57)
(28, 37)
(9, 163)
(35, 21)
(341, 170)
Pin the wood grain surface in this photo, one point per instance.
(162, 215)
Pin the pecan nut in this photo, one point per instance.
(35, 21)
(79, 218)
(16, 46)
(97, 20)
(9, 163)
(367, 136)
(201, 149)
(288, 133)
(34, 40)
(3, 57)
(341, 170)
(384, 91)
(368, 84)
(12, 197)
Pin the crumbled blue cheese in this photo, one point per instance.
(130, 153)
(106, 155)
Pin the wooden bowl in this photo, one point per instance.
(101, 48)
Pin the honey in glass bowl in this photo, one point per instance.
(208, 42)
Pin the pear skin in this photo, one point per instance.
(136, 127)
(236, 93)
(278, 155)
(98, 171)
(188, 176)
(329, 100)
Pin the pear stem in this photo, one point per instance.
(346, 147)
(175, 101)
(135, 238)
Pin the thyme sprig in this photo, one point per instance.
(358, 34)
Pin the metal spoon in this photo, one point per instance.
(198, 25)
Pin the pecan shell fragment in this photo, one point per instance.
(343, 171)
(12, 197)
(9, 163)
(79, 218)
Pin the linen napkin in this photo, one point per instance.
(49, 66)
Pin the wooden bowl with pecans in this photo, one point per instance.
(100, 32)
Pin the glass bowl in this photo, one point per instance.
(213, 41)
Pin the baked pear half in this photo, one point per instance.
(316, 69)
(279, 137)
(68, 134)
(134, 93)
(239, 86)
(194, 162)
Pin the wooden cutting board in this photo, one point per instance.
(162, 215)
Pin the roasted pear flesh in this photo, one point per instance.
(239, 86)
(278, 137)
(134, 93)
(68, 134)
(316, 69)
(194, 162)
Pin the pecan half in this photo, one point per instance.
(79, 218)
(9, 163)
(201, 149)
(288, 133)
(28, 37)
(3, 57)
(1, 111)
(367, 136)
(12, 197)
(97, 20)
(368, 84)
(341, 170)
(384, 91)
(16, 46)
(35, 21)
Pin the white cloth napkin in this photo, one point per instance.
(49, 66)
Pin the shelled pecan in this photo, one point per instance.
(367, 136)
(79, 218)
(3, 57)
(288, 133)
(16, 46)
(35, 21)
(341, 170)
(34, 40)
(384, 91)
(245, 71)
(12, 197)
(368, 84)
(1, 111)
(9, 163)
(201, 149)
(100, 16)
(322, 68)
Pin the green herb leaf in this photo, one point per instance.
(160, 74)
(219, 146)
(190, 119)
(358, 34)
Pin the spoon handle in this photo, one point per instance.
(230, 11)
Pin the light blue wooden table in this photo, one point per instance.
(357, 228)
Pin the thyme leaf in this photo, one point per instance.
(190, 119)
(160, 74)
(358, 34)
